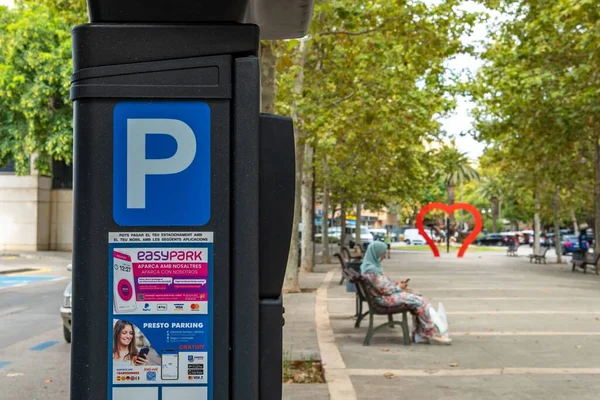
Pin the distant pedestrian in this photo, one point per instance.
(584, 244)
(388, 242)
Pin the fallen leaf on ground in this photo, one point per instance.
(388, 375)
(455, 364)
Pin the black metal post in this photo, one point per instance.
(447, 235)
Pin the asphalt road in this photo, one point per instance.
(34, 358)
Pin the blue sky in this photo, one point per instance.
(460, 121)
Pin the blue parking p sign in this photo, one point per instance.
(161, 163)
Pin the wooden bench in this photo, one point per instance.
(539, 258)
(590, 259)
(349, 255)
(512, 249)
(366, 292)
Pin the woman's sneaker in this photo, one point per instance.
(440, 340)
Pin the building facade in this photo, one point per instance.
(36, 212)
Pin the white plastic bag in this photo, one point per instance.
(442, 314)
(419, 338)
(437, 320)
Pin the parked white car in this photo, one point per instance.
(413, 237)
(65, 309)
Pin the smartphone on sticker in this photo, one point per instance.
(144, 352)
(170, 365)
(123, 283)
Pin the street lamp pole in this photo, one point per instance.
(447, 234)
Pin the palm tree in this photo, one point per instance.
(456, 169)
(490, 189)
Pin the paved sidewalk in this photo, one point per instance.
(31, 262)
(300, 338)
(38, 255)
(520, 331)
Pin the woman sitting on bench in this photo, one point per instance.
(392, 294)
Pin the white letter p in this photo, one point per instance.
(137, 164)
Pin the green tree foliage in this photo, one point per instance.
(538, 102)
(35, 70)
(373, 90)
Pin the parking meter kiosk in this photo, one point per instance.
(183, 198)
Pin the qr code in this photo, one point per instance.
(151, 376)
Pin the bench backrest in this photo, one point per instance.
(592, 258)
(349, 273)
(365, 288)
(346, 252)
(341, 260)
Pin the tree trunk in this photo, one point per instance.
(494, 202)
(500, 212)
(325, 222)
(536, 225)
(557, 226)
(290, 284)
(268, 82)
(575, 223)
(307, 262)
(342, 227)
(597, 194)
(358, 224)
(460, 213)
(451, 194)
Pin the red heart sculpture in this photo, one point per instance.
(448, 210)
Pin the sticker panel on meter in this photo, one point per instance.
(160, 320)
